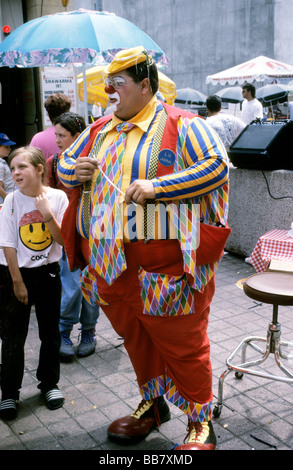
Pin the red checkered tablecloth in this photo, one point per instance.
(276, 244)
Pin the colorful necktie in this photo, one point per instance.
(106, 238)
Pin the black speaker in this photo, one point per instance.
(264, 146)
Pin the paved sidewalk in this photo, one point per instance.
(101, 388)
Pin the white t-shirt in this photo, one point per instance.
(227, 127)
(251, 110)
(22, 228)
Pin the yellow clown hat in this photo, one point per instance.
(127, 58)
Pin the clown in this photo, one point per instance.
(156, 290)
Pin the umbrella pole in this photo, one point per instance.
(85, 95)
(272, 108)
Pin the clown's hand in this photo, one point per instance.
(85, 168)
(140, 191)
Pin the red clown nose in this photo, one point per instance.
(110, 89)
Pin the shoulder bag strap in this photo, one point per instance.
(54, 169)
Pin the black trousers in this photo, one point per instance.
(44, 291)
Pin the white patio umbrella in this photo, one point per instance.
(259, 69)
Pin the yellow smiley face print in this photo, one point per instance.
(35, 234)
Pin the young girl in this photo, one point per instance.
(31, 241)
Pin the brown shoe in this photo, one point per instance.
(148, 415)
(200, 436)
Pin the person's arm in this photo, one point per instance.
(206, 169)
(43, 205)
(3, 193)
(19, 287)
(67, 161)
(206, 165)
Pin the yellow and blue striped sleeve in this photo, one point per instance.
(205, 159)
(66, 162)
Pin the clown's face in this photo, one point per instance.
(125, 94)
(114, 100)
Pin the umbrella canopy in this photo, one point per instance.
(260, 69)
(273, 94)
(82, 36)
(190, 96)
(74, 37)
(168, 88)
(96, 87)
(231, 94)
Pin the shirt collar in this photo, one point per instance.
(142, 119)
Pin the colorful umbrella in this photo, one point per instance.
(95, 86)
(76, 37)
(82, 36)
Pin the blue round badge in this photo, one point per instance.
(166, 157)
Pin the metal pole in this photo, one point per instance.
(85, 103)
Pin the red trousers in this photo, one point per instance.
(161, 348)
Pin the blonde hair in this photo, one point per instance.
(34, 156)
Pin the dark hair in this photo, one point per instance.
(72, 122)
(145, 70)
(214, 103)
(56, 105)
(249, 87)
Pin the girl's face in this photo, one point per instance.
(26, 177)
(64, 138)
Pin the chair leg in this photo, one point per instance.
(273, 346)
(277, 353)
(286, 344)
(219, 405)
(242, 348)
